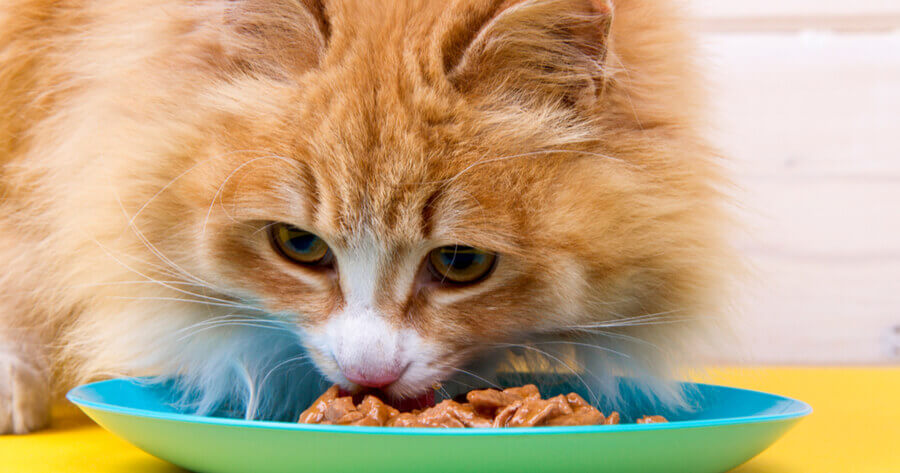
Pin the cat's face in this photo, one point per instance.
(430, 189)
(406, 247)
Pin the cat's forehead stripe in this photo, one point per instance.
(312, 189)
(429, 208)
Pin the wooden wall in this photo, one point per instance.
(806, 100)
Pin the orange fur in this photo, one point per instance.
(153, 140)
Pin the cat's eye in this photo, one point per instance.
(299, 245)
(460, 264)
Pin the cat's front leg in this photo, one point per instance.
(24, 385)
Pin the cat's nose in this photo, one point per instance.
(367, 349)
(373, 378)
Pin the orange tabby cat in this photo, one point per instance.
(203, 188)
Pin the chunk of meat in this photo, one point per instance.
(528, 391)
(376, 411)
(612, 419)
(339, 408)
(315, 413)
(489, 401)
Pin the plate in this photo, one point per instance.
(729, 427)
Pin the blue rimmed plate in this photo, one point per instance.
(730, 427)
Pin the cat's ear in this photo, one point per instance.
(536, 51)
(274, 36)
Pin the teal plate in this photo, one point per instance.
(729, 427)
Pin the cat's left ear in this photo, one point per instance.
(537, 51)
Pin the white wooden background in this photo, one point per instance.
(806, 97)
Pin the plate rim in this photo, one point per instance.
(73, 395)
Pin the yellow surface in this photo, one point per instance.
(855, 429)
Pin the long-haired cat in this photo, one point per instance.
(238, 194)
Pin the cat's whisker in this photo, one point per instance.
(648, 316)
(620, 336)
(252, 391)
(103, 284)
(161, 269)
(229, 324)
(264, 228)
(224, 319)
(228, 178)
(189, 170)
(251, 410)
(492, 384)
(116, 283)
(190, 301)
(248, 323)
(593, 397)
(159, 254)
(484, 216)
(581, 344)
(638, 323)
(169, 286)
(443, 392)
(165, 259)
(135, 271)
(195, 330)
(226, 302)
(646, 319)
(467, 385)
(303, 357)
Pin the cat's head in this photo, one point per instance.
(422, 182)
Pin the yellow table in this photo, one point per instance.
(855, 429)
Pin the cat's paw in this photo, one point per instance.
(24, 396)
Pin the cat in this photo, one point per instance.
(238, 194)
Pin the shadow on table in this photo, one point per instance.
(68, 417)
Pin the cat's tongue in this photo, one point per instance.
(402, 404)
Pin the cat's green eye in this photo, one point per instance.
(460, 264)
(299, 245)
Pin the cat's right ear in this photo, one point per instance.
(273, 37)
(532, 51)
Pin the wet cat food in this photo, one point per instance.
(512, 407)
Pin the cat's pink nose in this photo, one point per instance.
(372, 378)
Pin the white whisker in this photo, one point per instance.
(225, 182)
(172, 287)
(593, 397)
(178, 177)
(492, 384)
(190, 301)
(282, 363)
(154, 250)
(230, 324)
(589, 345)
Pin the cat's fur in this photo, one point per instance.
(145, 145)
